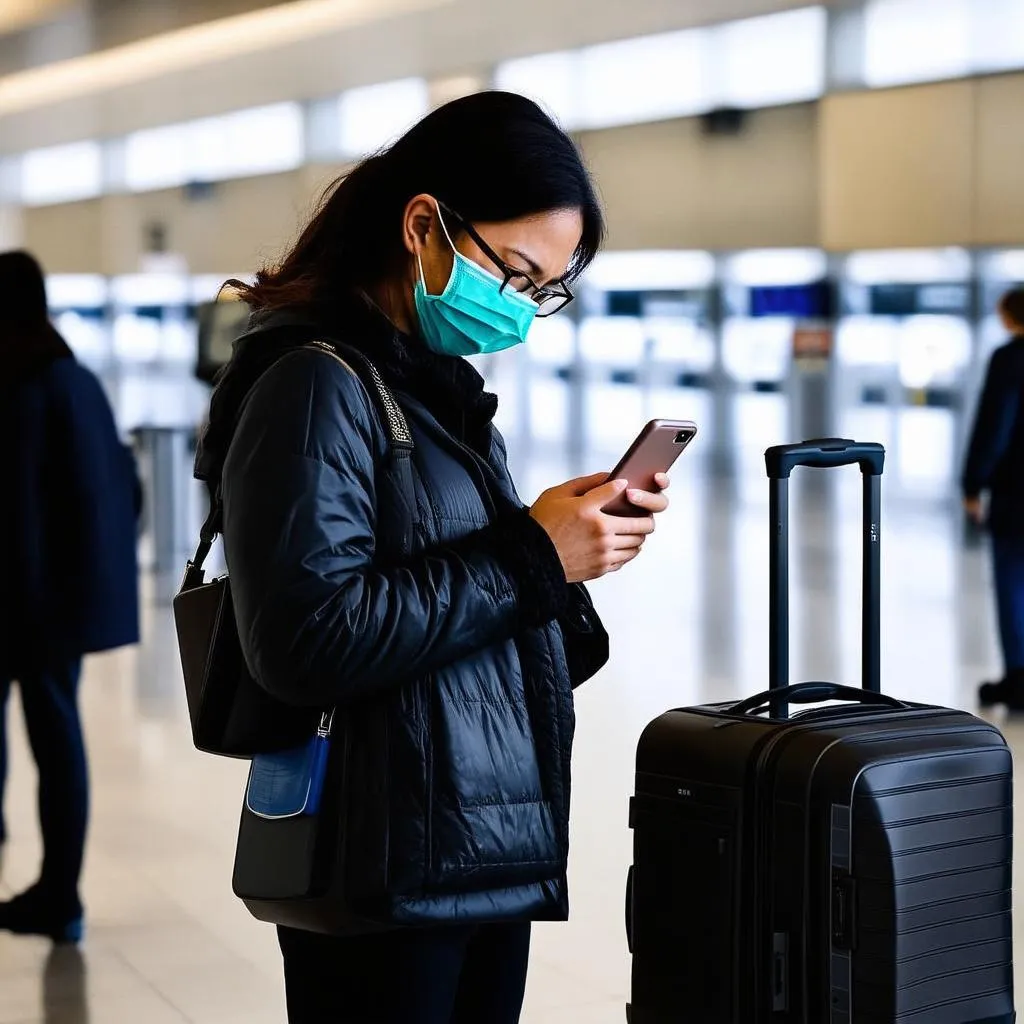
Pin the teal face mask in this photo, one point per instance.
(472, 316)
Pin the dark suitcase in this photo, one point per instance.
(850, 864)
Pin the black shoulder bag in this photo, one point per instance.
(230, 713)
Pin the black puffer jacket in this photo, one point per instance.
(457, 661)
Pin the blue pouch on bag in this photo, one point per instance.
(289, 783)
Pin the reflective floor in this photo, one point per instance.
(168, 942)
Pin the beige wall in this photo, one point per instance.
(668, 185)
(923, 166)
(238, 225)
(664, 185)
(929, 165)
(897, 167)
(68, 238)
(11, 234)
(1000, 161)
(233, 230)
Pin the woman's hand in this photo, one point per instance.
(589, 542)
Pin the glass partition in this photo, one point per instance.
(78, 307)
(766, 293)
(152, 319)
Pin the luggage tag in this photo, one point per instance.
(290, 782)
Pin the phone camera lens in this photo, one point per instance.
(682, 437)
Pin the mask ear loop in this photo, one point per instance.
(419, 256)
(444, 228)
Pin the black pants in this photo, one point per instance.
(450, 975)
(1008, 559)
(49, 697)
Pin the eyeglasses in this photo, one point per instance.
(550, 299)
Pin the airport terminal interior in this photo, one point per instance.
(813, 211)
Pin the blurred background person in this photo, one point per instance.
(995, 464)
(67, 526)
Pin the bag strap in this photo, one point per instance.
(399, 434)
(400, 449)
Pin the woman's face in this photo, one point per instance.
(540, 245)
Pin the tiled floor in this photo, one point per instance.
(169, 943)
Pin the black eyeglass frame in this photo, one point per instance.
(550, 293)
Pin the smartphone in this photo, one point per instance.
(658, 445)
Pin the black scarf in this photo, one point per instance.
(450, 388)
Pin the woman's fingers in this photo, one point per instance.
(596, 498)
(627, 541)
(581, 485)
(624, 558)
(629, 526)
(647, 500)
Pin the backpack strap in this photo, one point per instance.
(400, 449)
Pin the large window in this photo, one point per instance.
(775, 267)
(646, 79)
(77, 291)
(10, 179)
(78, 306)
(930, 40)
(916, 40)
(156, 158)
(643, 79)
(779, 58)
(998, 35)
(263, 140)
(552, 79)
(908, 266)
(373, 116)
(775, 59)
(651, 270)
(61, 174)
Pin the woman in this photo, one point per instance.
(995, 463)
(67, 523)
(447, 244)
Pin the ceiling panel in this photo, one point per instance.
(122, 21)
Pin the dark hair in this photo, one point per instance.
(492, 156)
(22, 290)
(1011, 305)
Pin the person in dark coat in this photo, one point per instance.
(67, 526)
(995, 464)
(461, 654)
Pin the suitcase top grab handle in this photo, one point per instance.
(812, 693)
(825, 453)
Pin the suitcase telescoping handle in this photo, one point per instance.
(823, 453)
